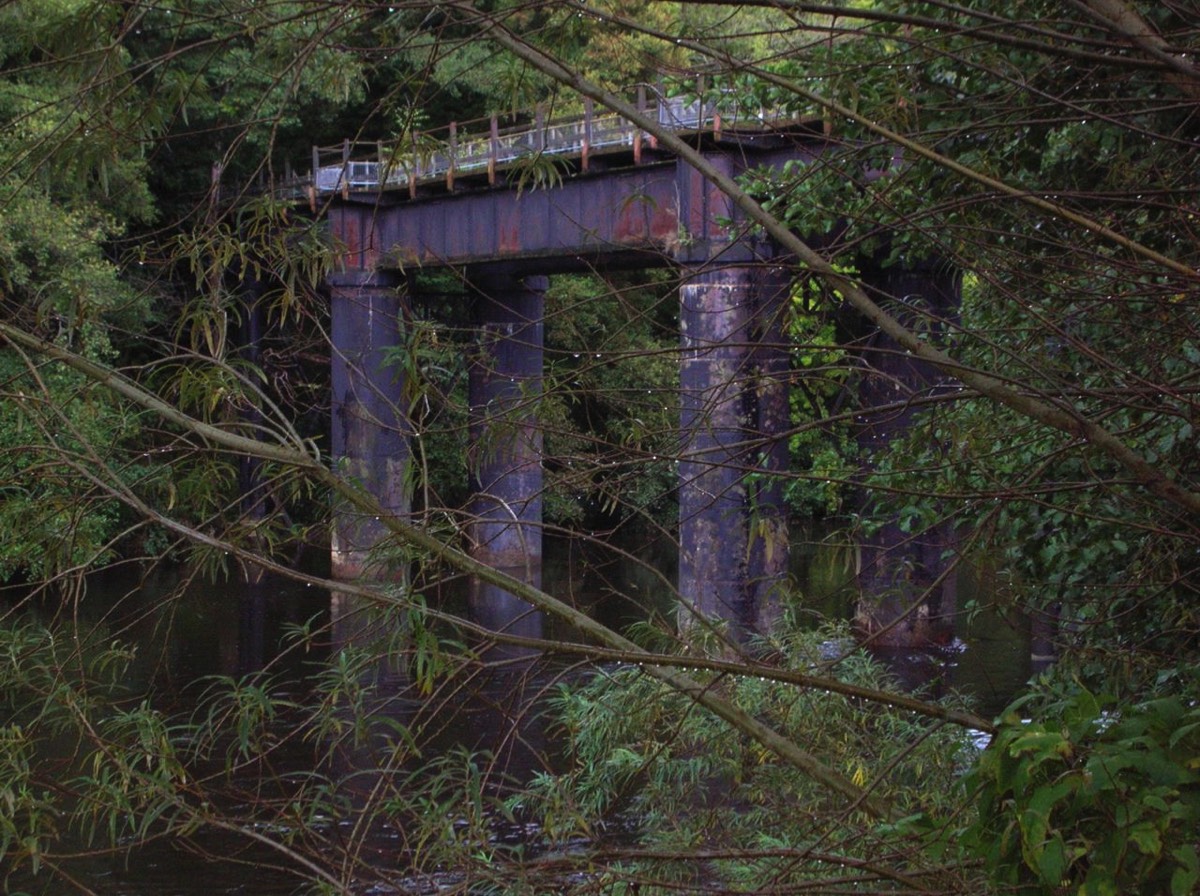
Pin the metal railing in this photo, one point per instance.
(483, 147)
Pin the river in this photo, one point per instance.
(189, 632)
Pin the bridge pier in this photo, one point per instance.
(370, 429)
(907, 584)
(251, 328)
(733, 554)
(734, 400)
(505, 446)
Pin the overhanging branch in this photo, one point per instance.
(1057, 416)
(701, 692)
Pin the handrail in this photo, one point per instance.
(443, 153)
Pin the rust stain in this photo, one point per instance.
(631, 225)
(642, 221)
(509, 237)
(351, 237)
(664, 226)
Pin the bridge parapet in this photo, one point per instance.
(482, 147)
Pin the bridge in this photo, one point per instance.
(509, 207)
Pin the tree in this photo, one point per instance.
(1044, 152)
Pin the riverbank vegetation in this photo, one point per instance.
(164, 356)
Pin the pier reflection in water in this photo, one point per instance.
(189, 631)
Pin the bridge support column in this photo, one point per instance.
(370, 428)
(251, 329)
(505, 452)
(907, 584)
(733, 532)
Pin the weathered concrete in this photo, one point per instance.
(370, 429)
(734, 413)
(733, 373)
(505, 444)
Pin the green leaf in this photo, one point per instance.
(1041, 745)
(1052, 862)
(1081, 713)
(1146, 838)
(1187, 874)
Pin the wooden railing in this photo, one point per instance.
(482, 147)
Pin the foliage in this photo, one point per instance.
(609, 412)
(1052, 303)
(640, 757)
(823, 458)
(432, 362)
(58, 279)
(1046, 150)
(237, 93)
(49, 703)
(87, 766)
(1091, 798)
(55, 428)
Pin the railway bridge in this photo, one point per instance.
(507, 208)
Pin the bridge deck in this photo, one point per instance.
(480, 149)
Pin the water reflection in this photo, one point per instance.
(252, 627)
(496, 610)
(188, 629)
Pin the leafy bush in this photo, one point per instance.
(1091, 800)
(710, 805)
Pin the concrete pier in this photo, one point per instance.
(505, 445)
(908, 588)
(370, 429)
(734, 413)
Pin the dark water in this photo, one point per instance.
(188, 631)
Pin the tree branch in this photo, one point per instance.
(1057, 416)
(701, 692)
